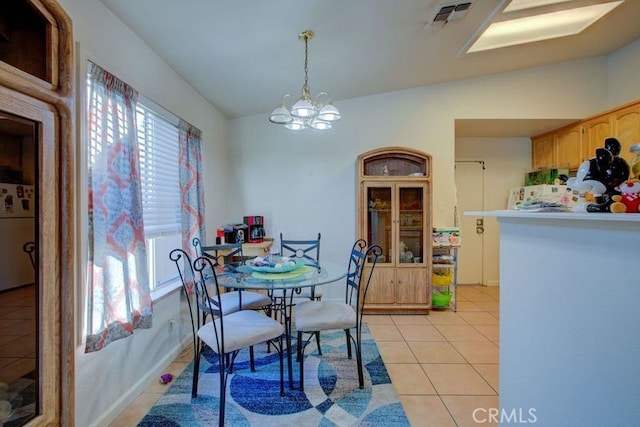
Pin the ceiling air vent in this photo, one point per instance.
(450, 12)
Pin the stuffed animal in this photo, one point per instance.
(601, 175)
(629, 199)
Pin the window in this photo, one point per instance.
(158, 142)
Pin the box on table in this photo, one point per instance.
(449, 236)
(561, 194)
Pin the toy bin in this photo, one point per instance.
(442, 277)
(441, 299)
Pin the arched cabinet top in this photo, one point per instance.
(36, 48)
(400, 162)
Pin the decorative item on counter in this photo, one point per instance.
(601, 175)
(629, 199)
(635, 162)
(546, 176)
(166, 378)
(558, 196)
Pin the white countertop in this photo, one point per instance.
(573, 216)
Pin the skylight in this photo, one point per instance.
(540, 27)
(528, 4)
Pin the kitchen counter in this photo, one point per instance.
(569, 317)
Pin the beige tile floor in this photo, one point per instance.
(444, 366)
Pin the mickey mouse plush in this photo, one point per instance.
(629, 199)
(601, 175)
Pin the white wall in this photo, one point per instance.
(106, 381)
(304, 183)
(623, 80)
(505, 160)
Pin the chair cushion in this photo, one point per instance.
(323, 315)
(250, 301)
(254, 300)
(242, 329)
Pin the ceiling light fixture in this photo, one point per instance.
(529, 4)
(540, 27)
(306, 112)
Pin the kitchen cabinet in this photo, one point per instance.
(596, 130)
(569, 147)
(626, 127)
(562, 148)
(543, 151)
(394, 211)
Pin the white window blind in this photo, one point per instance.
(159, 171)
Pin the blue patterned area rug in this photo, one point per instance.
(331, 397)
(18, 401)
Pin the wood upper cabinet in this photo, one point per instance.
(626, 127)
(394, 211)
(543, 151)
(596, 130)
(569, 147)
(562, 148)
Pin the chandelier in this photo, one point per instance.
(306, 112)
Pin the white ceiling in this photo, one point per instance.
(243, 55)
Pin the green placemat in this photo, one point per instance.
(281, 276)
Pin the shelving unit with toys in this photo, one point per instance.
(444, 280)
(444, 274)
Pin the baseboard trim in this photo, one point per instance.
(117, 407)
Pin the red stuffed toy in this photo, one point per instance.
(629, 199)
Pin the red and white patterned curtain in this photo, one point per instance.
(119, 298)
(191, 186)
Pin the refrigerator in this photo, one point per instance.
(17, 226)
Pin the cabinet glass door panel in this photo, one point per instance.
(379, 220)
(410, 224)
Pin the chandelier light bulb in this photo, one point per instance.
(303, 108)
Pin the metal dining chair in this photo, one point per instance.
(30, 249)
(236, 299)
(307, 251)
(228, 334)
(312, 317)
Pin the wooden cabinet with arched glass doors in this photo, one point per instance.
(394, 211)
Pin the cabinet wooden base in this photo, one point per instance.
(396, 309)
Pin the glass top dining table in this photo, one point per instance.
(243, 276)
(282, 287)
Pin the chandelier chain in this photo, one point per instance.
(306, 91)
